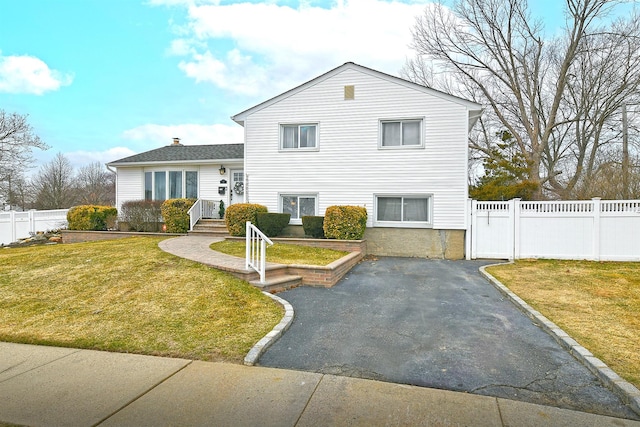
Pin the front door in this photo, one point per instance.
(236, 190)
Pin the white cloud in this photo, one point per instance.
(265, 48)
(82, 158)
(154, 136)
(28, 74)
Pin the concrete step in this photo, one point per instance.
(210, 227)
(278, 283)
(209, 232)
(205, 225)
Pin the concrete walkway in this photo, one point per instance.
(196, 248)
(51, 386)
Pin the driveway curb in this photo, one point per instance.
(254, 354)
(625, 390)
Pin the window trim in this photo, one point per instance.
(297, 221)
(281, 127)
(401, 147)
(167, 173)
(401, 223)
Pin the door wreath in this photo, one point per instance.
(238, 188)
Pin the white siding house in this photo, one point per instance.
(356, 136)
(208, 172)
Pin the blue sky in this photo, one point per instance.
(101, 80)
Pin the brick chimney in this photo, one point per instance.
(176, 141)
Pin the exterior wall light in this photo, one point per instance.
(222, 170)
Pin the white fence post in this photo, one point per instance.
(469, 235)
(596, 228)
(474, 225)
(514, 217)
(12, 219)
(32, 221)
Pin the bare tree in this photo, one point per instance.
(17, 139)
(15, 190)
(54, 184)
(96, 185)
(558, 98)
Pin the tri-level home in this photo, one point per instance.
(351, 136)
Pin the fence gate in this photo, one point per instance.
(491, 230)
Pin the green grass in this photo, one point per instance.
(596, 303)
(283, 253)
(127, 295)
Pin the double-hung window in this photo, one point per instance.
(170, 184)
(401, 133)
(404, 210)
(299, 136)
(299, 205)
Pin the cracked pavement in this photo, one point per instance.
(438, 324)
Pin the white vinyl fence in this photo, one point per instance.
(17, 225)
(607, 230)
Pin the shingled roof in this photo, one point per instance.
(185, 153)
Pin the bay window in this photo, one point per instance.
(170, 184)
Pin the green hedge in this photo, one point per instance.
(272, 224)
(92, 217)
(237, 215)
(313, 226)
(345, 222)
(142, 215)
(175, 214)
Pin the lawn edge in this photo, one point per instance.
(261, 346)
(629, 394)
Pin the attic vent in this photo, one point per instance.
(349, 92)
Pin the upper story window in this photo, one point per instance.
(299, 136)
(401, 133)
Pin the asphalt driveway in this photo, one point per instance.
(434, 323)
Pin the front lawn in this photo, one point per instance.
(596, 303)
(127, 295)
(283, 253)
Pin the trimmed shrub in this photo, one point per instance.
(237, 215)
(345, 222)
(92, 217)
(313, 226)
(221, 209)
(272, 224)
(142, 215)
(175, 213)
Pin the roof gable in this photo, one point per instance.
(176, 153)
(471, 106)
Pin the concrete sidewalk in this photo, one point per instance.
(50, 386)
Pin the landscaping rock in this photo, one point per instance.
(40, 238)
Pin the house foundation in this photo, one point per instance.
(407, 242)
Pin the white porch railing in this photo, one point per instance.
(256, 252)
(202, 209)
